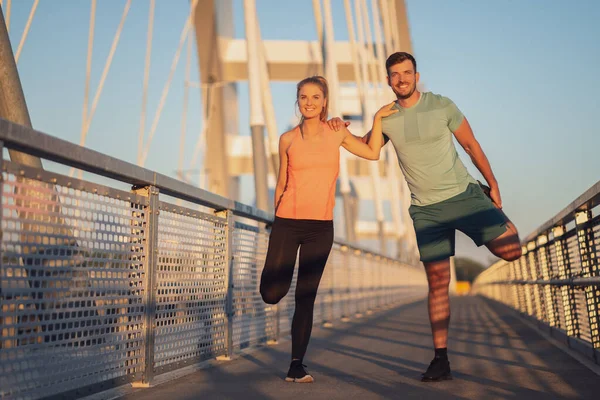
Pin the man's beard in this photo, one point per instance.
(405, 96)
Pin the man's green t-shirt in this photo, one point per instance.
(422, 137)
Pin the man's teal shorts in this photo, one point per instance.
(471, 212)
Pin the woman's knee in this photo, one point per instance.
(271, 295)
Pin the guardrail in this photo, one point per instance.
(101, 286)
(557, 280)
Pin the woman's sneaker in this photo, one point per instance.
(298, 374)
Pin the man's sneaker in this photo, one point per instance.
(298, 374)
(439, 370)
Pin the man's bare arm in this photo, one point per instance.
(337, 123)
(465, 137)
(365, 138)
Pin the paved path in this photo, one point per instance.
(381, 356)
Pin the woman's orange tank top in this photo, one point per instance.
(312, 171)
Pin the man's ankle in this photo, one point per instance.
(441, 352)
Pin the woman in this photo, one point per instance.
(304, 200)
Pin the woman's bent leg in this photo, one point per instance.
(279, 264)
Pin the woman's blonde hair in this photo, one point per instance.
(322, 84)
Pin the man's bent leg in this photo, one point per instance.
(438, 277)
(508, 245)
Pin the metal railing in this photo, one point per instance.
(101, 286)
(557, 280)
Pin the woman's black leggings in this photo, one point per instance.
(315, 239)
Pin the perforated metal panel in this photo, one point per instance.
(574, 256)
(396, 288)
(367, 263)
(374, 282)
(338, 285)
(190, 287)
(553, 261)
(520, 297)
(556, 292)
(364, 267)
(582, 316)
(253, 320)
(109, 287)
(355, 296)
(72, 285)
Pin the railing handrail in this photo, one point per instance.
(554, 282)
(589, 281)
(588, 200)
(52, 148)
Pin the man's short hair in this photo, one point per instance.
(397, 58)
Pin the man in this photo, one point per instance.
(444, 196)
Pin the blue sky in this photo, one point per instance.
(523, 72)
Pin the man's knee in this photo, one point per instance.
(512, 254)
(507, 248)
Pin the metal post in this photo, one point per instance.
(368, 58)
(32, 194)
(228, 266)
(379, 287)
(506, 292)
(400, 26)
(544, 260)
(328, 317)
(515, 276)
(332, 78)
(269, 109)
(257, 120)
(385, 283)
(564, 272)
(532, 267)
(347, 290)
(277, 326)
(452, 285)
(6, 341)
(525, 274)
(589, 264)
(213, 20)
(395, 176)
(361, 300)
(184, 113)
(538, 290)
(151, 251)
(13, 106)
(361, 78)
